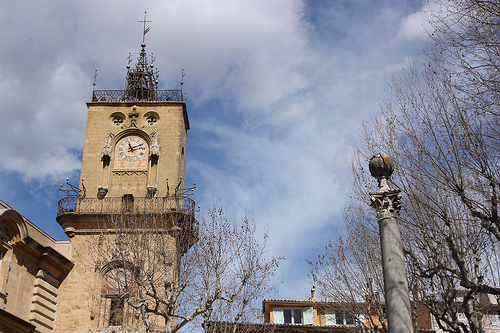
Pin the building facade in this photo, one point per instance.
(133, 169)
(32, 268)
(311, 315)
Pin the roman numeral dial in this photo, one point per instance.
(131, 153)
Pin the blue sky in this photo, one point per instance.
(276, 92)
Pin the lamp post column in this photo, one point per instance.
(387, 203)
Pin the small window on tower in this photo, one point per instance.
(116, 289)
(117, 118)
(117, 121)
(151, 120)
(128, 202)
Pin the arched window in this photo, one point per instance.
(116, 291)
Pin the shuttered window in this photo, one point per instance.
(341, 317)
(308, 315)
(291, 316)
(278, 316)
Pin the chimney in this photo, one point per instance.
(313, 294)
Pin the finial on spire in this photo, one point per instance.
(142, 80)
(144, 31)
(129, 60)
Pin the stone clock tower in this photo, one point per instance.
(136, 139)
(133, 163)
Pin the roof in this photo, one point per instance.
(306, 302)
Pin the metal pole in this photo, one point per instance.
(387, 203)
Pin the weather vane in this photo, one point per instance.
(145, 31)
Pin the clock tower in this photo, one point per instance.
(136, 138)
(133, 164)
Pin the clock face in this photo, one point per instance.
(131, 153)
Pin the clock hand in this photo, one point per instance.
(130, 147)
(137, 146)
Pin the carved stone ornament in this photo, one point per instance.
(155, 146)
(381, 165)
(70, 232)
(130, 173)
(134, 113)
(151, 191)
(387, 204)
(101, 192)
(107, 149)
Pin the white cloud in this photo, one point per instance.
(43, 124)
(249, 52)
(276, 91)
(415, 26)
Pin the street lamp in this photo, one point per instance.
(387, 203)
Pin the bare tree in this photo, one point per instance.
(448, 172)
(447, 243)
(441, 124)
(160, 273)
(348, 271)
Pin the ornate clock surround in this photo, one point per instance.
(131, 152)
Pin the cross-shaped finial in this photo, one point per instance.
(145, 31)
